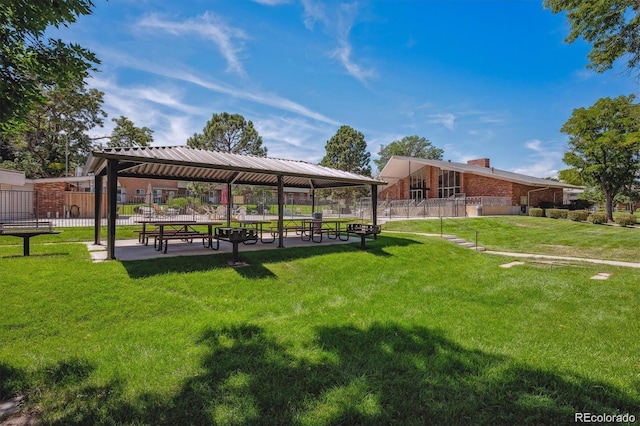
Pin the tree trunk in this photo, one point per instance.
(609, 205)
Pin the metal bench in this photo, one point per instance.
(26, 230)
(363, 231)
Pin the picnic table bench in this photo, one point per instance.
(363, 231)
(26, 230)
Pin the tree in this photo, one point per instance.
(229, 133)
(571, 176)
(126, 134)
(29, 61)
(409, 146)
(53, 139)
(604, 145)
(611, 26)
(347, 150)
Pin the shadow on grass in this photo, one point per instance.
(255, 260)
(386, 374)
(9, 256)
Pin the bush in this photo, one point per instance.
(597, 218)
(625, 220)
(556, 213)
(535, 212)
(578, 215)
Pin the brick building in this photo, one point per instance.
(421, 179)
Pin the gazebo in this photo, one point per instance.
(197, 165)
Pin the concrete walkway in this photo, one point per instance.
(538, 256)
(133, 250)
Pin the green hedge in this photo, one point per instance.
(626, 220)
(597, 218)
(556, 213)
(578, 215)
(536, 212)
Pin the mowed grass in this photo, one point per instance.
(522, 234)
(414, 330)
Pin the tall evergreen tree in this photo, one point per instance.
(347, 150)
(229, 133)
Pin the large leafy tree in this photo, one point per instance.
(229, 133)
(347, 150)
(604, 145)
(29, 61)
(611, 26)
(409, 146)
(54, 136)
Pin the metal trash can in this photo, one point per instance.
(316, 219)
(478, 211)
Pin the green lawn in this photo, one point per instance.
(536, 235)
(414, 330)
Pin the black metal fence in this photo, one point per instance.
(66, 208)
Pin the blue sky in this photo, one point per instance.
(478, 78)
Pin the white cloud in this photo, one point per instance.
(445, 119)
(293, 138)
(541, 163)
(158, 109)
(272, 2)
(175, 73)
(338, 25)
(227, 39)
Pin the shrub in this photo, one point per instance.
(625, 220)
(556, 213)
(535, 212)
(597, 218)
(578, 215)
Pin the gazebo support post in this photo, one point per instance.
(112, 194)
(374, 207)
(97, 208)
(280, 212)
(229, 198)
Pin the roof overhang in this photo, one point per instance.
(197, 165)
(399, 167)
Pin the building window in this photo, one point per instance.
(417, 185)
(139, 191)
(448, 183)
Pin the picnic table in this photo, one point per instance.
(235, 235)
(314, 229)
(26, 230)
(257, 225)
(184, 230)
(363, 230)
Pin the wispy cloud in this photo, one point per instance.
(539, 163)
(227, 39)
(272, 2)
(338, 24)
(176, 73)
(158, 109)
(445, 119)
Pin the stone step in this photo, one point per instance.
(463, 243)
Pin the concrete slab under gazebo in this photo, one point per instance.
(197, 165)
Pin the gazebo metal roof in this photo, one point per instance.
(191, 164)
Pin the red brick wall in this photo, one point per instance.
(50, 199)
(477, 186)
(482, 162)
